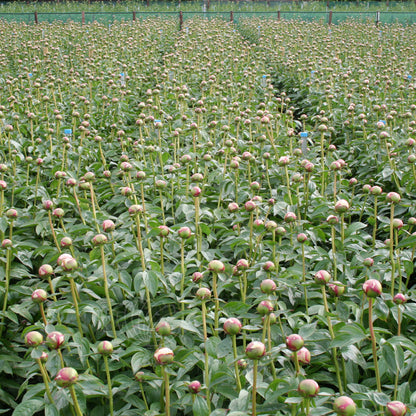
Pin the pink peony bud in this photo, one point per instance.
(163, 329)
(393, 197)
(163, 356)
(265, 307)
(322, 277)
(290, 217)
(336, 289)
(45, 270)
(268, 286)
(232, 326)
(105, 348)
(342, 206)
(255, 350)
(304, 356)
(194, 387)
(216, 266)
(39, 296)
(399, 299)
(294, 342)
(203, 293)
(308, 388)
(54, 340)
(372, 288)
(108, 225)
(344, 406)
(184, 232)
(33, 339)
(396, 408)
(66, 377)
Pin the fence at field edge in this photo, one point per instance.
(328, 17)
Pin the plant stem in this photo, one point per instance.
(75, 401)
(391, 246)
(206, 369)
(254, 389)
(237, 372)
(110, 390)
(167, 395)
(45, 380)
(107, 293)
(373, 342)
(75, 300)
(331, 333)
(217, 302)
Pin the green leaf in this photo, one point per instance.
(235, 308)
(389, 355)
(141, 359)
(51, 410)
(29, 407)
(200, 407)
(343, 339)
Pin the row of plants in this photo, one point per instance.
(215, 221)
(214, 6)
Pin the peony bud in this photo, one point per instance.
(342, 206)
(105, 348)
(322, 277)
(203, 293)
(393, 197)
(194, 387)
(216, 266)
(54, 340)
(66, 377)
(396, 408)
(163, 328)
(372, 288)
(255, 350)
(232, 326)
(268, 286)
(308, 388)
(344, 406)
(294, 342)
(33, 339)
(184, 232)
(265, 307)
(39, 296)
(163, 356)
(108, 225)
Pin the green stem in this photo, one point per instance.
(45, 380)
(107, 292)
(305, 291)
(75, 401)
(392, 249)
(373, 342)
(254, 389)
(75, 300)
(237, 372)
(217, 302)
(331, 333)
(167, 395)
(334, 254)
(110, 390)
(206, 368)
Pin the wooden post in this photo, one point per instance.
(278, 15)
(231, 17)
(387, 3)
(134, 16)
(83, 18)
(208, 4)
(36, 18)
(180, 20)
(330, 18)
(147, 3)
